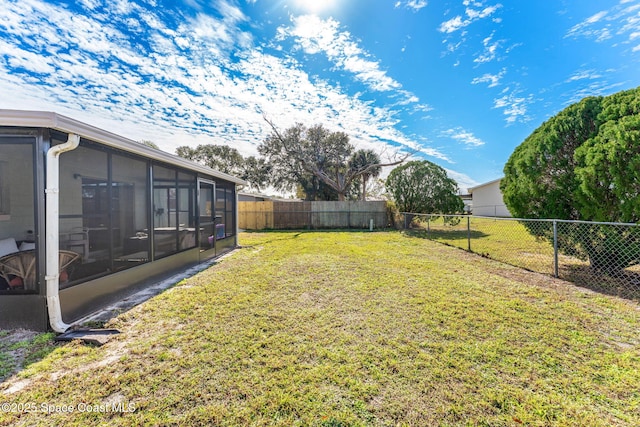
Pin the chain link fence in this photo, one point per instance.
(601, 256)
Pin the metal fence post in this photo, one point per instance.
(555, 248)
(469, 233)
(603, 271)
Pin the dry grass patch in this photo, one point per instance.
(354, 329)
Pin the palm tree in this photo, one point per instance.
(365, 163)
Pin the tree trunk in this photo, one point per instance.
(364, 188)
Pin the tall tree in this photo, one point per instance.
(149, 143)
(256, 172)
(310, 188)
(583, 164)
(229, 160)
(299, 152)
(361, 161)
(219, 157)
(424, 187)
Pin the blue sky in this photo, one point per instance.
(460, 82)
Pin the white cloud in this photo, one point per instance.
(452, 47)
(595, 88)
(620, 20)
(461, 135)
(513, 106)
(463, 180)
(182, 85)
(492, 79)
(316, 35)
(490, 50)
(90, 4)
(458, 22)
(415, 5)
(453, 24)
(29, 61)
(457, 34)
(629, 18)
(584, 75)
(596, 18)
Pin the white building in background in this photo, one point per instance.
(487, 200)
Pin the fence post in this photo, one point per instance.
(555, 248)
(429, 227)
(469, 233)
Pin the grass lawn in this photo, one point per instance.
(350, 329)
(503, 240)
(509, 241)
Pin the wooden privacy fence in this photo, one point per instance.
(298, 215)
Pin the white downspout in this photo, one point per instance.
(52, 244)
(237, 218)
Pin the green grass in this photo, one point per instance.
(352, 329)
(503, 240)
(510, 242)
(18, 350)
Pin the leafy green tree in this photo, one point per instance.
(311, 188)
(608, 164)
(423, 187)
(583, 164)
(539, 179)
(256, 172)
(369, 162)
(301, 156)
(149, 143)
(229, 160)
(219, 157)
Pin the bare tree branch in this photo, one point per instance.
(323, 154)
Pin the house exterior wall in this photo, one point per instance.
(118, 272)
(488, 201)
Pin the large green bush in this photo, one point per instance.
(583, 164)
(423, 187)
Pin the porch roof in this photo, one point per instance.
(51, 120)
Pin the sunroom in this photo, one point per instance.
(88, 217)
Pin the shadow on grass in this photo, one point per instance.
(624, 285)
(20, 348)
(438, 235)
(292, 233)
(283, 235)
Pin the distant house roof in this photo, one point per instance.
(50, 120)
(470, 190)
(255, 197)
